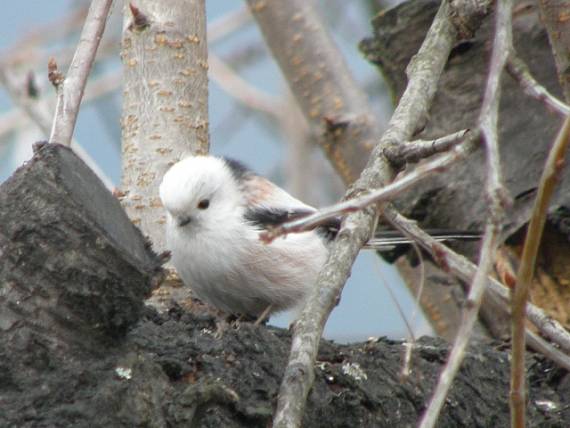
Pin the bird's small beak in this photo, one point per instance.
(183, 221)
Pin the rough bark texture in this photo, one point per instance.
(165, 101)
(455, 199)
(69, 253)
(320, 81)
(79, 348)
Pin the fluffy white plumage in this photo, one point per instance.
(216, 209)
(215, 244)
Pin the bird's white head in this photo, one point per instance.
(199, 191)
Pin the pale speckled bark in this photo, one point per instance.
(165, 105)
(320, 81)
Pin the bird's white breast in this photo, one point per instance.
(230, 268)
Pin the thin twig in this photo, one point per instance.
(320, 81)
(25, 103)
(383, 194)
(416, 150)
(235, 86)
(228, 80)
(496, 193)
(71, 90)
(489, 115)
(38, 112)
(410, 343)
(520, 72)
(464, 269)
(424, 72)
(57, 30)
(468, 319)
(406, 369)
(547, 184)
(543, 347)
(97, 88)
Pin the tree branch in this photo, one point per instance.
(520, 72)
(547, 185)
(303, 28)
(497, 197)
(70, 91)
(414, 151)
(38, 112)
(320, 81)
(17, 118)
(465, 270)
(242, 91)
(384, 194)
(553, 14)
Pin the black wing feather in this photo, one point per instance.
(264, 218)
(239, 171)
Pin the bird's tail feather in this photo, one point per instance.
(387, 240)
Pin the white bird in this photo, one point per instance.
(215, 209)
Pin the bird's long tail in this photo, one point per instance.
(387, 240)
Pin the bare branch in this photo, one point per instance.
(38, 112)
(414, 151)
(468, 319)
(242, 91)
(497, 197)
(547, 185)
(543, 347)
(488, 118)
(465, 270)
(547, 326)
(520, 72)
(553, 14)
(320, 81)
(99, 87)
(315, 91)
(71, 90)
(383, 194)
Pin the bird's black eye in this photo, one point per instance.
(203, 204)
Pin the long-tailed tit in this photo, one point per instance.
(215, 210)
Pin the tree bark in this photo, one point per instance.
(320, 81)
(455, 199)
(71, 261)
(165, 101)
